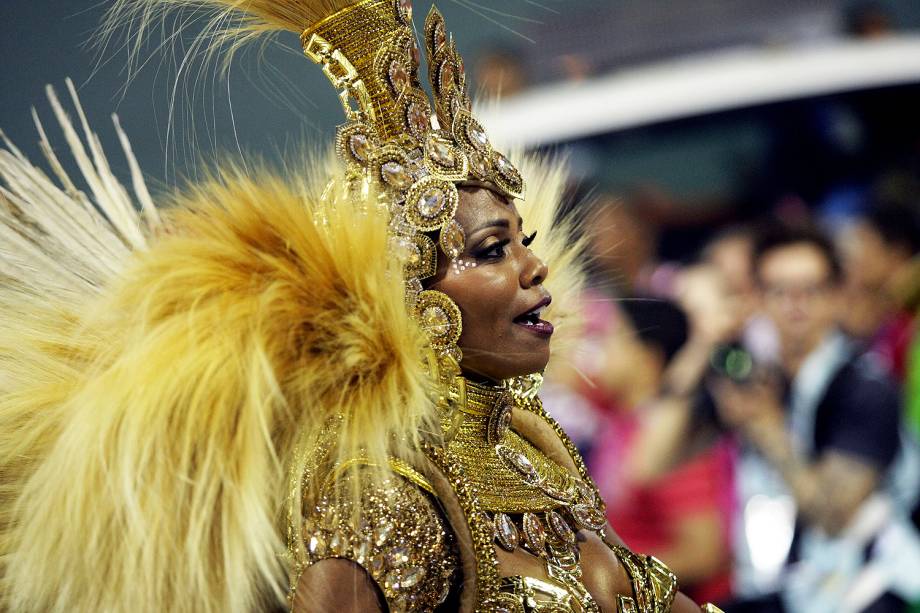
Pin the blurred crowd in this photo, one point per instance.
(752, 415)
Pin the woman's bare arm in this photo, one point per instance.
(338, 586)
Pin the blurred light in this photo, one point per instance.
(700, 85)
(769, 525)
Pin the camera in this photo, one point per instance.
(733, 362)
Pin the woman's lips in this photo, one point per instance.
(531, 319)
(539, 327)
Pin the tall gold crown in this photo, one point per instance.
(394, 143)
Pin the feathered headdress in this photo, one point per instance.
(162, 372)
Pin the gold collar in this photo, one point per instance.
(483, 399)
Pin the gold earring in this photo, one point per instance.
(441, 320)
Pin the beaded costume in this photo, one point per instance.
(260, 364)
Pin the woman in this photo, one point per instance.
(348, 366)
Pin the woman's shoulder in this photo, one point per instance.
(391, 529)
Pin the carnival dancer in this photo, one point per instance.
(318, 391)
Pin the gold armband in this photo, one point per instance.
(654, 585)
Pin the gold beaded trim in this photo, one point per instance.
(478, 522)
(401, 540)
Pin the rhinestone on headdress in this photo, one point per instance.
(439, 317)
(452, 239)
(395, 175)
(399, 77)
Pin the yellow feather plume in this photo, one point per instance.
(227, 23)
(263, 315)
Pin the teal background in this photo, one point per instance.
(279, 103)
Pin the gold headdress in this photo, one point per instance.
(369, 52)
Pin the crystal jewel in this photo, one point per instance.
(360, 146)
(506, 533)
(560, 528)
(362, 550)
(395, 174)
(477, 135)
(436, 320)
(534, 533)
(559, 493)
(317, 545)
(455, 354)
(397, 556)
(431, 203)
(453, 239)
(414, 257)
(412, 577)
(417, 116)
(446, 76)
(519, 462)
(505, 167)
(392, 580)
(377, 564)
(479, 164)
(499, 423)
(338, 543)
(441, 152)
(382, 533)
(585, 492)
(399, 76)
(588, 517)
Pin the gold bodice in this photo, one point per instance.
(513, 497)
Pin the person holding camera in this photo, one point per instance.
(820, 434)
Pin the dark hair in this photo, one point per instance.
(657, 322)
(778, 236)
(897, 224)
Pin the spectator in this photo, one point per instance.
(677, 512)
(877, 250)
(730, 253)
(827, 426)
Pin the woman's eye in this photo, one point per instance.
(494, 251)
(528, 240)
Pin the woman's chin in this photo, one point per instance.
(524, 364)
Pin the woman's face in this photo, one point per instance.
(497, 283)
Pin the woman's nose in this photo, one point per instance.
(534, 272)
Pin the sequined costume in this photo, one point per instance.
(513, 495)
(262, 362)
